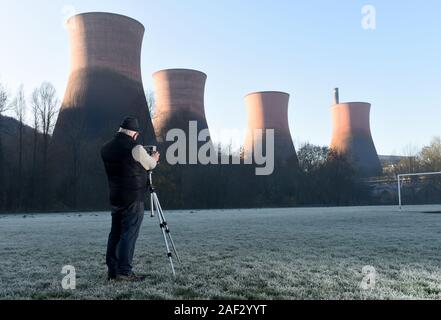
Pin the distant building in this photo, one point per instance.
(351, 135)
(179, 100)
(269, 110)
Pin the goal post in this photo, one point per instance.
(401, 177)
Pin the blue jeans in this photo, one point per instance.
(126, 222)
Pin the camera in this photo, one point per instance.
(151, 150)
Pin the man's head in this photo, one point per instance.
(130, 127)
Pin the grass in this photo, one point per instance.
(315, 253)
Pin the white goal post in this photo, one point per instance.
(400, 176)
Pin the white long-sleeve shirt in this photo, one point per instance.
(140, 155)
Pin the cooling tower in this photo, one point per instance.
(352, 136)
(179, 99)
(104, 86)
(105, 82)
(269, 110)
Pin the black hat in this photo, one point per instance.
(130, 123)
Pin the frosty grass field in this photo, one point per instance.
(315, 253)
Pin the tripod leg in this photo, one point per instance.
(152, 208)
(161, 224)
(167, 230)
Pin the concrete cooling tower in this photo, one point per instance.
(269, 110)
(179, 99)
(352, 135)
(105, 82)
(104, 87)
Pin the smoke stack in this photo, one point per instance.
(105, 82)
(352, 136)
(179, 99)
(269, 110)
(336, 96)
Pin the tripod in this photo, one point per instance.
(156, 206)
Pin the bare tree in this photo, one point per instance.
(35, 102)
(35, 122)
(45, 104)
(4, 105)
(3, 99)
(151, 102)
(19, 107)
(410, 162)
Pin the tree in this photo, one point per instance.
(4, 106)
(19, 107)
(151, 102)
(430, 156)
(341, 183)
(410, 161)
(3, 99)
(47, 109)
(35, 101)
(46, 103)
(422, 189)
(311, 156)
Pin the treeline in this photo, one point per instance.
(324, 178)
(24, 149)
(33, 180)
(426, 159)
(30, 174)
(425, 189)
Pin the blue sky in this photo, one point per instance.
(305, 48)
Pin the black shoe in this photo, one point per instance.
(111, 276)
(131, 277)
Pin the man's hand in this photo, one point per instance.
(156, 156)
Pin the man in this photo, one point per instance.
(126, 163)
